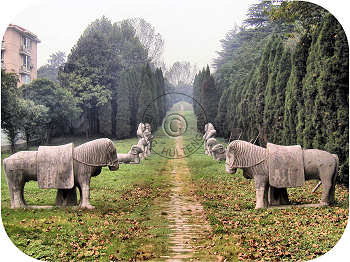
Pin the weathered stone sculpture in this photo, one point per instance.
(132, 157)
(279, 167)
(149, 137)
(61, 167)
(209, 133)
(142, 144)
(211, 142)
(218, 152)
(148, 127)
(140, 130)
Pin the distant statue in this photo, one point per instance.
(132, 157)
(210, 132)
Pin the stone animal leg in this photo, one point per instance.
(325, 200)
(22, 194)
(278, 196)
(16, 184)
(262, 188)
(328, 186)
(284, 197)
(85, 196)
(66, 197)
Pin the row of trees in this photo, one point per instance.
(206, 98)
(104, 87)
(283, 78)
(108, 70)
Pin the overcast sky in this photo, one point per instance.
(192, 29)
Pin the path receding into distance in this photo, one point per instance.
(185, 213)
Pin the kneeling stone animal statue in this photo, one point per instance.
(279, 167)
(61, 167)
(218, 152)
(132, 157)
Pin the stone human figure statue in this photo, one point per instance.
(140, 129)
(210, 132)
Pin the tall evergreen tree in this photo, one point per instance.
(262, 79)
(271, 89)
(280, 89)
(293, 96)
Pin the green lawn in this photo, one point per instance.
(128, 224)
(242, 233)
(125, 225)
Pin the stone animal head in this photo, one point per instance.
(218, 152)
(242, 154)
(135, 150)
(211, 142)
(98, 152)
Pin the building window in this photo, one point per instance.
(2, 56)
(27, 43)
(25, 79)
(26, 61)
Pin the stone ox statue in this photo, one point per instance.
(60, 167)
(278, 167)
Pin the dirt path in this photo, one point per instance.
(186, 214)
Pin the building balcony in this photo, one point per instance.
(3, 45)
(25, 69)
(25, 50)
(2, 64)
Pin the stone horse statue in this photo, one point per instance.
(278, 167)
(61, 167)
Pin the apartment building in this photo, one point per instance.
(19, 53)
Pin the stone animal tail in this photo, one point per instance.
(335, 173)
(316, 187)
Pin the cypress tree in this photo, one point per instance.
(220, 122)
(293, 95)
(208, 99)
(271, 89)
(230, 116)
(262, 79)
(123, 114)
(330, 114)
(146, 109)
(280, 89)
(305, 128)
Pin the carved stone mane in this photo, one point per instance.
(245, 154)
(99, 152)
